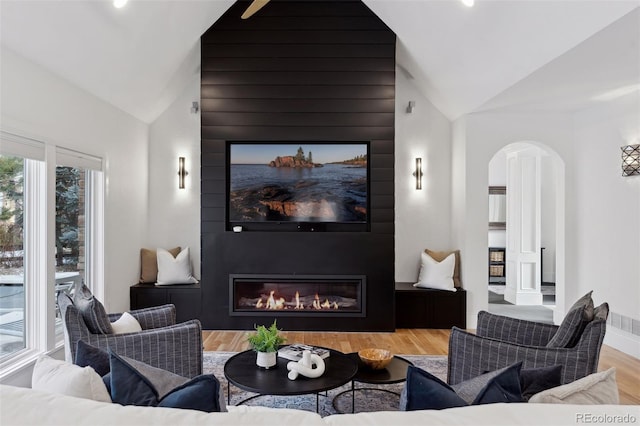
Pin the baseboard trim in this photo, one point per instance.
(623, 341)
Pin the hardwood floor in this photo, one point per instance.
(418, 342)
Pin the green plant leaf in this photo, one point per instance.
(265, 339)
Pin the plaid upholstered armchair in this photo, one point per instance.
(162, 343)
(501, 341)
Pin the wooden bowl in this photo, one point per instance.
(376, 359)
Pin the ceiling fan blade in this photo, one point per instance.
(253, 8)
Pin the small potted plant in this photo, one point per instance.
(265, 342)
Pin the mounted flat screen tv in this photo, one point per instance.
(298, 186)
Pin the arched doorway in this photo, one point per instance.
(526, 255)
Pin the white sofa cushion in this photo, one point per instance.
(18, 409)
(52, 375)
(22, 406)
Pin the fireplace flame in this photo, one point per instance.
(272, 302)
(298, 304)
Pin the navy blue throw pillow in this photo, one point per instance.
(130, 387)
(535, 380)
(90, 356)
(200, 393)
(424, 391)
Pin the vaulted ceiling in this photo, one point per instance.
(524, 54)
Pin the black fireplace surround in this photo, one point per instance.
(269, 79)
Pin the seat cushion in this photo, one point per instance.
(93, 312)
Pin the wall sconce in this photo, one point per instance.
(195, 107)
(182, 172)
(418, 173)
(630, 160)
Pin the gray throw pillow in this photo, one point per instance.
(573, 324)
(601, 312)
(162, 380)
(93, 313)
(469, 389)
(585, 302)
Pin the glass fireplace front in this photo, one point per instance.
(334, 295)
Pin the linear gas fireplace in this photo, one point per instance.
(297, 295)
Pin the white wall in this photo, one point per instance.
(35, 103)
(174, 214)
(477, 138)
(422, 217)
(607, 256)
(548, 219)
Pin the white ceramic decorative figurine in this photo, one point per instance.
(305, 366)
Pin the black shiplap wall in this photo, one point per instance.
(301, 71)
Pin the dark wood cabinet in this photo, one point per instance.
(186, 297)
(428, 308)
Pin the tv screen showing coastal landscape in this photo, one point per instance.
(298, 182)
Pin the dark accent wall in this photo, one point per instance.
(307, 71)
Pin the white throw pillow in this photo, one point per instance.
(126, 324)
(174, 270)
(55, 376)
(436, 275)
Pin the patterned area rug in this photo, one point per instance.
(335, 401)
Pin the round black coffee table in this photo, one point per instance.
(241, 371)
(394, 372)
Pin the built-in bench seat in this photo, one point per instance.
(428, 308)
